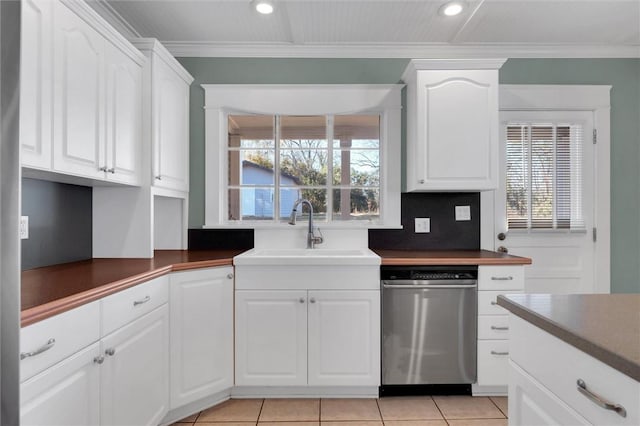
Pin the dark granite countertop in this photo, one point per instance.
(605, 326)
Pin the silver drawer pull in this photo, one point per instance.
(140, 302)
(301, 300)
(509, 278)
(38, 351)
(499, 353)
(493, 302)
(495, 327)
(598, 400)
(110, 352)
(98, 359)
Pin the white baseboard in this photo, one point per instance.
(477, 390)
(195, 407)
(304, 392)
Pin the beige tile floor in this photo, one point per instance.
(392, 411)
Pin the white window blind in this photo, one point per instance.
(544, 176)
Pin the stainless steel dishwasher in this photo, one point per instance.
(429, 323)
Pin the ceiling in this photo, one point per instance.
(383, 28)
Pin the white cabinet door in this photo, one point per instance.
(134, 379)
(78, 96)
(36, 83)
(344, 338)
(124, 117)
(201, 334)
(531, 404)
(453, 140)
(271, 337)
(66, 394)
(171, 128)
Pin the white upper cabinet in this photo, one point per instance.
(452, 125)
(124, 117)
(37, 84)
(81, 94)
(166, 109)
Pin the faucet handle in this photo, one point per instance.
(319, 239)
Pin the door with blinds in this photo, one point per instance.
(545, 202)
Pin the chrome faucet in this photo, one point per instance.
(312, 240)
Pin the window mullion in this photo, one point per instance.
(276, 169)
(554, 177)
(329, 134)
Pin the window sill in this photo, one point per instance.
(301, 224)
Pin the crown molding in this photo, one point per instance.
(116, 20)
(389, 50)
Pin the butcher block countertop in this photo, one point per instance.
(605, 326)
(448, 257)
(54, 289)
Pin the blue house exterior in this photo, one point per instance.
(258, 202)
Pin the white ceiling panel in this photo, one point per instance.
(559, 21)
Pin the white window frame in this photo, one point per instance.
(222, 100)
(540, 97)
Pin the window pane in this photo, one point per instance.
(251, 131)
(356, 204)
(288, 196)
(318, 199)
(542, 176)
(517, 176)
(356, 131)
(303, 132)
(251, 167)
(251, 203)
(363, 167)
(307, 167)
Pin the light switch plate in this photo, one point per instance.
(463, 213)
(422, 225)
(24, 227)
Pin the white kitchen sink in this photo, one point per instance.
(303, 256)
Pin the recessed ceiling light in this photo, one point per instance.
(451, 8)
(263, 6)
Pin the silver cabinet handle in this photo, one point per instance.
(301, 300)
(110, 352)
(499, 353)
(140, 302)
(312, 300)
(600, 401)
(111, 170)
(38, 351)
(493, 302)
(509, 278)
(421, 181)
(98, 359)
(103, 168)
(495, 327)
(230, 276)
(158, 177)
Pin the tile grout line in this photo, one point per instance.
(439, 410)
(498, 407)
(379, 410)
(260, 412)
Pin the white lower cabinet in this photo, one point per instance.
(134, 380)
(201, 343)
(307, 337)
(66, 394)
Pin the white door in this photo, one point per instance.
(271, 337)
(544, 205)
(201, 334)
(78, 96)
(135, 383)
(36, 83)
(171, 128)
(344, 338)
(124, 117)
(66, 394)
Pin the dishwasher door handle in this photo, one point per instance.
(428, 286)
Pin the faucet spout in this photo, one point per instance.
(312, 240)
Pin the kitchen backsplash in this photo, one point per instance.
(446, 233)
(212, 239)
(59, 223)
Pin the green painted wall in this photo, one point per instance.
(622, 74)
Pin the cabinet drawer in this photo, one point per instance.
(558, 366)
(493, 327)
(487, 302)
(49, 341)
(501, 278)
(493, 362)
(122, 308)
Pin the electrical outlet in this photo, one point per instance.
(24, 227)
(463, 213)
(422, 225)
